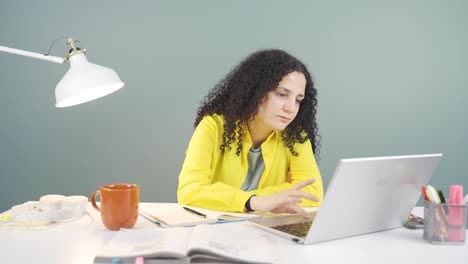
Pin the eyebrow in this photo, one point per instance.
(289, 91)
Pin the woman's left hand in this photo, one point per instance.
(284, 201)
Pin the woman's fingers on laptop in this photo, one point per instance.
(297, 209)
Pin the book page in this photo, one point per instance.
(228, 243)
(149, 243)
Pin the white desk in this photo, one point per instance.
(79, 241)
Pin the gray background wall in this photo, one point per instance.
(391, 77)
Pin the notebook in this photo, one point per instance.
(365, 195)
(178, 215)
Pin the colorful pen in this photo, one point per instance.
(441, 196)
(441, 220)
(442, 200)
(424, 194)
(432, 194)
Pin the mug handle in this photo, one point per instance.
(93, 200)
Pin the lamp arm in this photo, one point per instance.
(32, 55)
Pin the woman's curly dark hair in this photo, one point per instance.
(238, 96)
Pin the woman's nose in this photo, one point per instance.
(290, 107)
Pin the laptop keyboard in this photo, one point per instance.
(297, 229)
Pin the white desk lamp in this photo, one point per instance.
(84, 81)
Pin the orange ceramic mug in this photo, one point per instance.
(119, 205)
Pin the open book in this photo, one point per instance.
(178, 215)
(226, 243)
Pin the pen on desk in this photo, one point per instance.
(155, 221)
(194, 212)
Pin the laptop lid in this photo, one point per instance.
(367, 195)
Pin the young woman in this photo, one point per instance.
(254, 140)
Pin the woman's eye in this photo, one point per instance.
(281, 94)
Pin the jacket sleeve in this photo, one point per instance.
(195, 179)
(302, 167)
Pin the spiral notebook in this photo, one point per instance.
(175, 215)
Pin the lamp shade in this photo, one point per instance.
(85, 81)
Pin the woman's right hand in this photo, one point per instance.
(284, 201)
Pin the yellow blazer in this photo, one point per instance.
(212, 180)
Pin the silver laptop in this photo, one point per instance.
(365, 195)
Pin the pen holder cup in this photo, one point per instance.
(444, 224)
